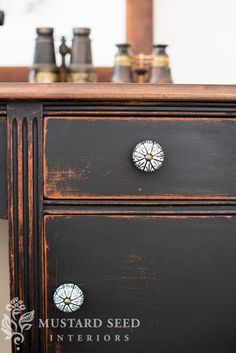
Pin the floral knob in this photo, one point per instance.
(148, 156)
(68, 297)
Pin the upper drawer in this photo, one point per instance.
(91, 158)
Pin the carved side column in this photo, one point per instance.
(25, 213)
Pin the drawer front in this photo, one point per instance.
(91, 158)
(153, 284)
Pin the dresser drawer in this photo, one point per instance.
(91, 158)
(153, 284)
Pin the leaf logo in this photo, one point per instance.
(14, 325)
(6, 327)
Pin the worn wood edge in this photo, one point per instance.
(190, 210)
(45, 278)
(21, 74)
(52, 196)
(122, 92)
(3, 172)
(49, 217)
(151, 203)
(131, 118)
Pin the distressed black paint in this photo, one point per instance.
(176, 274)
(92, 158)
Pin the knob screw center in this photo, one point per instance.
(148, 157)
(67, 301)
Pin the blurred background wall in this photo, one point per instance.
(201, 35)
(105, 17)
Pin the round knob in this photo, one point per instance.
(148, 156)
(68, 297)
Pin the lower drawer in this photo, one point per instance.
(150, 284)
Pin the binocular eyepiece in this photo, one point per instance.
(80, 69)
(2, 17)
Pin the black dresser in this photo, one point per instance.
(121, 201)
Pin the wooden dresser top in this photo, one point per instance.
(109, 91)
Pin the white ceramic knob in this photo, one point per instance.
(68, 297)
(148, 156)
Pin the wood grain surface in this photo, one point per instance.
(123, 92)
(21, 74)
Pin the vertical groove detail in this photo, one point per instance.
(15, 203)
(25, 203)
(25, 214)
(35, 218)
(25, 198)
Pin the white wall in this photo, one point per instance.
(202, 38)
(105, 17)
(201, 33)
